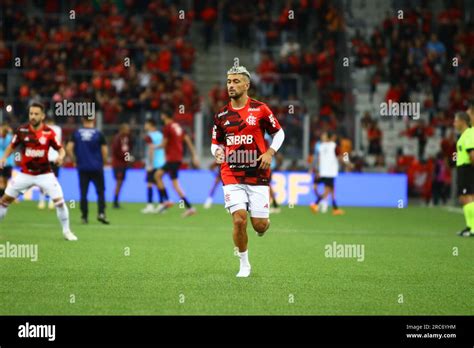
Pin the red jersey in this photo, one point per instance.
(244, 129)
(35, 147)
(121, 150)
(174, 146)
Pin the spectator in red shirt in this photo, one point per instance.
(374, 135)
(209, 16)
(267, 70)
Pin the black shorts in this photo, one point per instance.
(325, 180)
(6, 172)
(150, 176)
(465, 180)
(119, 173)
(54, 168)
(172, 169)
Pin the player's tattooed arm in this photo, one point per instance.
(60, 160)
(266, 158)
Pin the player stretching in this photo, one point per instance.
(36, 138)
(328, 170)
(239, 129)
(173, 136)
(465, 170)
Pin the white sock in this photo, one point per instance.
(3, 211)
(41, 198)
(63, 215)
(244, 258)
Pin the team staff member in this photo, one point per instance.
(88, 150)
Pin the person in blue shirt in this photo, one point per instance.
(5, 172)
(88, 149)
(154, 160)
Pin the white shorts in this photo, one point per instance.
(254, 198)
(22, 182)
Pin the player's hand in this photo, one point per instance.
(59, 161)
(2, 162)
(219, 155)
(266, 160)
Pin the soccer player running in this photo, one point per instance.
(5, 172)
(35, 139)
(121, 157)
(154, 160)
(328, 168)
(52, 156)
(465, 169)
(239, 128)
(173, 136)
(88, 150)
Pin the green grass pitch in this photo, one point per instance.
(186, 266)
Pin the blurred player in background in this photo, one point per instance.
(173, 137)
(5, 172)
(154, 160)
(122, 147)
(465, 169)
(276, 163)
(52, 156)
(241, 126)
(35, 139)
(216, 168)
(88, 150)
(328, 169)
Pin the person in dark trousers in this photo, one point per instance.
(88, 150)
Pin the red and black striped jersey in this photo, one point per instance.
(35, 146)
(241, 132)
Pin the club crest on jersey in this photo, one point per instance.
(42, 140)
(251, 120)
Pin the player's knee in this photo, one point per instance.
(240, 220)
(261, 226)
(6, 199)
(59, 202)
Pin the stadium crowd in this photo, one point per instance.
(421, 56)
